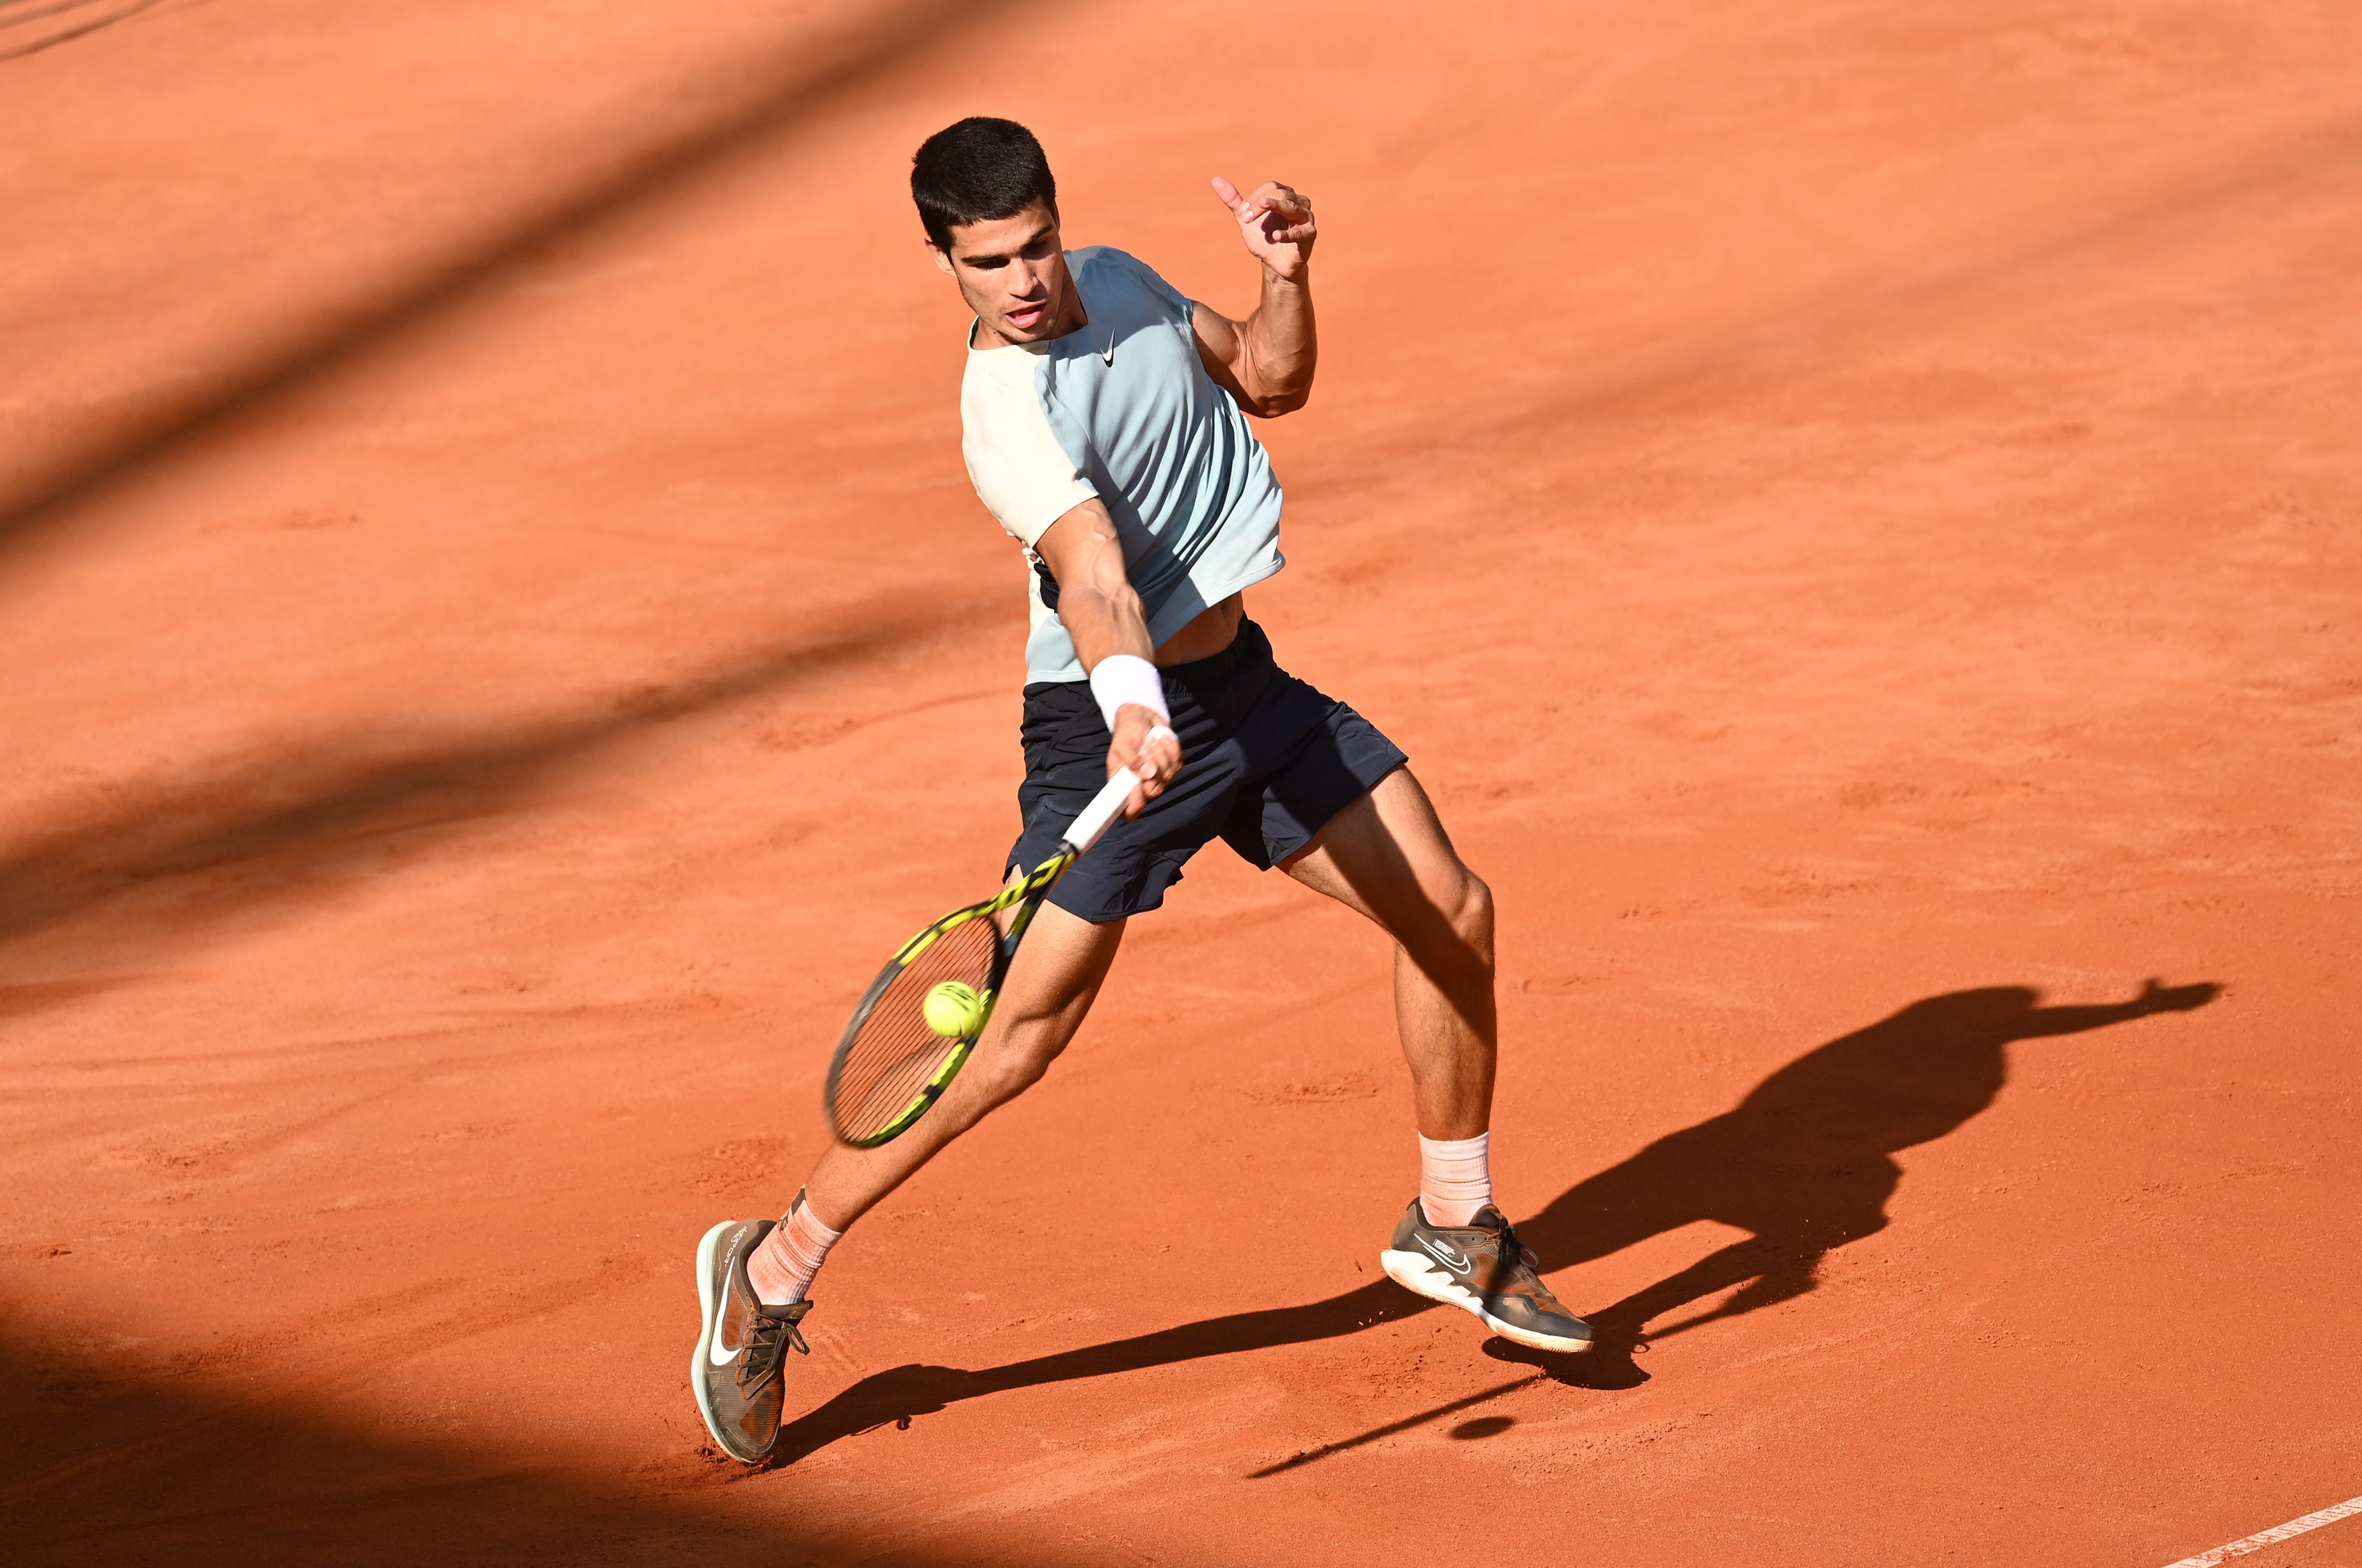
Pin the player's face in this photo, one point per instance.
(1012, 272)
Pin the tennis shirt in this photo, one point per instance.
(1122, 410)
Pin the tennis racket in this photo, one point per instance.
(922, 1016)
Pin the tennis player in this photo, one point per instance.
(1105, 417)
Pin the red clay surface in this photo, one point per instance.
(1851, 508)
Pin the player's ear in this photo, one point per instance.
(941, 260)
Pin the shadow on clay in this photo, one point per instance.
(29, 31)
(806, 82)
(801, 83)
(291, 826)
(332, 812)
(107, 1459)
(1482, 1427)
(1805, 1163)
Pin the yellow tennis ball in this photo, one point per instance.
(953, 1011)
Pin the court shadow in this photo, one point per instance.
(101, 1462)
(40, 27)
(1805, 1163)
(159, 864)
(767, 101)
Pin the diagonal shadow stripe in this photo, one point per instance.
(808, 79)
(1845, 309)
(77, 22)
(156, 1464)
(805, 78)
(326, 813)
(1807, 328)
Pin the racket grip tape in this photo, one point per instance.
(1098, 816)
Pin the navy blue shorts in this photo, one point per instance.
(1266, 762)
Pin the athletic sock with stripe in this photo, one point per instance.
(1456, 1179)
(781, 1269)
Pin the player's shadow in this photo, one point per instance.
(1805, 1163)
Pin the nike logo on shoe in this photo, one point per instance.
(715, 1352)
(1444, 1254)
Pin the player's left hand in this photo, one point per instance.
(1274, 221)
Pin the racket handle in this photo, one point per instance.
(1100, 814)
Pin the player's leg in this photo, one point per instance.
(1386, 855)
(755, 1273)
(752, 1274)
(1051, 986)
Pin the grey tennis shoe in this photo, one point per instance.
(1481, 1267)
(741, 1346)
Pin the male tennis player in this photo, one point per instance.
(1105, 420)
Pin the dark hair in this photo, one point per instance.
(975, 171)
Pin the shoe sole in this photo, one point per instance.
(708, 1309)
(1421, 1277)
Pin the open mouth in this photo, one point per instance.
(1026, 317)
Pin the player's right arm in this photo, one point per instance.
(1103, 616)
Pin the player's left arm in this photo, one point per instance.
(1266, 360)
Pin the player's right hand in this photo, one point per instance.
(1157, 761)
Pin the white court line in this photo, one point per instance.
(2262, 1538)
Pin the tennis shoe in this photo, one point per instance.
(1481, 1267)
(741, 1346)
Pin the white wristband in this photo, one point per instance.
(1128, 678)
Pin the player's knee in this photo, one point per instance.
(1017, 1063)
(1456, 950)
(1471, 917)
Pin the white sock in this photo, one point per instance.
(1456, 1179)
(781, 1269)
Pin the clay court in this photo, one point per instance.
(1852, 509)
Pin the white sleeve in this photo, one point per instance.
(1021, 472)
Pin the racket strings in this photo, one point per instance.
(893, 1052)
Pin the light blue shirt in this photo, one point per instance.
(1122, 409)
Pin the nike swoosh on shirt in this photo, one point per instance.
(1108, 352)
